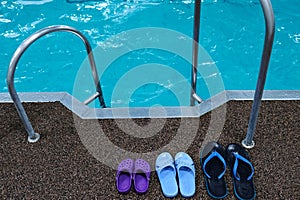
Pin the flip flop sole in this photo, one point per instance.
(216, 188)
(124, 175)
(186, 174)
(168, 182)
(166, 173)
(239, 163)
(124, 182)
(141, 176)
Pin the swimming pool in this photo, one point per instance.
(231, 33)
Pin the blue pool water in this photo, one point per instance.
(232, 34)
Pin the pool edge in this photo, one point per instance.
(206, 106)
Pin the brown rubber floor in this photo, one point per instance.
(60, 167)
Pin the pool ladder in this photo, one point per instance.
(268, 43)
(248, 142)
(32, 136)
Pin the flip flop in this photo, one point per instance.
(166, 173)
(186, 174)
(141, 176)
(214, 167)
(242, 171)
(124, 175)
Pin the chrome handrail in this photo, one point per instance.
(268, 43)
(32, 136)
(197, 13)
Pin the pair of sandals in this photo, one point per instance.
(213, 161)
(138, 171)
(167, 168)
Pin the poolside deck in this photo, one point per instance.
(59, 165)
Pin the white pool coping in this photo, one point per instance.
(86, 112)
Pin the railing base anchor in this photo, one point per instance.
(34, 139)
(248, 146)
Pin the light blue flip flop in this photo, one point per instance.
(186, 174)
(166, 173)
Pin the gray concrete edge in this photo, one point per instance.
(85, 112)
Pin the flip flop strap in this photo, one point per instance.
(165, 164)
(236, 163)
(125, 166)
(212, 155)
(182, 163)
(145, 171)
(124, 169)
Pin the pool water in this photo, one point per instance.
(232, 33)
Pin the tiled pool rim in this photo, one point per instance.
(206, 106)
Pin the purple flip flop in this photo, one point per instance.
(124, 175)
(141, 176)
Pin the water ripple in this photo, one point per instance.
(295, 38)
(10, 34)
(41, 2)
(4, 20)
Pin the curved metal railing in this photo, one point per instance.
(32, 136)
(197, 14)
(268, 43)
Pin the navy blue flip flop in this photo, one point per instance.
(212, 160)
(242, 171)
